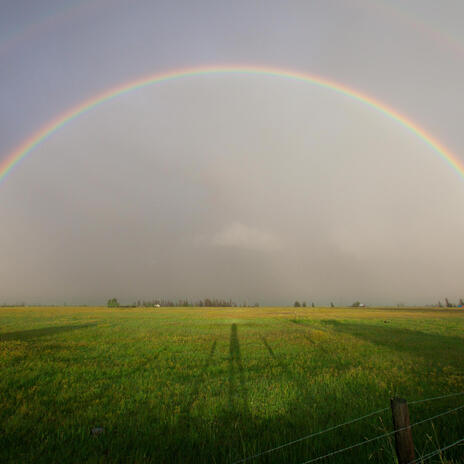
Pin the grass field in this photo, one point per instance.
(215, 385)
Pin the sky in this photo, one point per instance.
(255, 188)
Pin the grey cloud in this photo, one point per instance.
(237, 235)
(240, 186)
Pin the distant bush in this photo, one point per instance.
(297, 304)
(113, 303)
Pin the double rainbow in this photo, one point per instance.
(11, 160)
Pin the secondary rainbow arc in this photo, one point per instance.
(11, 160)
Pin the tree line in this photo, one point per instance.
(183, 303)
(228, 303)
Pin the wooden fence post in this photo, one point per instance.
(403, 439)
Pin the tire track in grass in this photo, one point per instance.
(199, 380)
(302, 386)
(306, 396)
(307, 334)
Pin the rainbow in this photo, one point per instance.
(11, 160)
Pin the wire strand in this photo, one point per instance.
(309, 436)
(378, 437)
(436, 398)
(315, 434)
(437, 451)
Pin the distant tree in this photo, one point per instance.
(356, 304)
(312, 305)
(256, 305)
(332, 305)
(304, 304)
(113, 303)
(296, 304)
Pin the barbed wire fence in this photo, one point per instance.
(438, 451)
(370, 440)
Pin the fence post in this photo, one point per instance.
(403, 439)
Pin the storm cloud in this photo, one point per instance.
(255, 188)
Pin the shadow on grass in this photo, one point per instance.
(238, 393)
(195, 390)
(230, 431)
(141, 367)
(414, 342)
(22, 335)
(189, 431)
(234, 432)
(271, 351)
(299, 380)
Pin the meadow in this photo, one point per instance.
(191, 385)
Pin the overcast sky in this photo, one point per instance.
(254, 188)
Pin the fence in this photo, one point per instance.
(404, 444)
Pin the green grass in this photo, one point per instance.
(214, 385)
